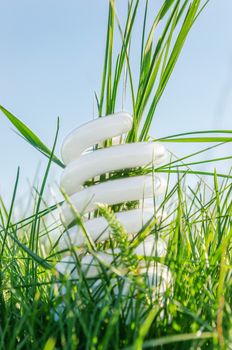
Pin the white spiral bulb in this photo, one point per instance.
(82, 166)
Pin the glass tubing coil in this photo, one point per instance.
(82, 166)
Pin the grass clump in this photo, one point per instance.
(126, 306)
(193, 312)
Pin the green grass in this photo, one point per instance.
(195, 311)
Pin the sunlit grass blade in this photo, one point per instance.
(206, 132)
(193, 172)
(30, 136)
(120, 308)
(123, 57)
(199, 139)
(9, 216)
(167, 71)
(173, 339)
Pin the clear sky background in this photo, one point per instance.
(51, 62)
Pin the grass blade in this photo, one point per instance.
(30, 136)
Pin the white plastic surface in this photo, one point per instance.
(110, 159)
(91, 266)
(94, 132)
(82, 167)
(99, 230)
(113, 192)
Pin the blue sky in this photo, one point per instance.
(51, 62)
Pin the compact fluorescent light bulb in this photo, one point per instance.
(83, 165)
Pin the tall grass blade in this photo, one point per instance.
(30, 136)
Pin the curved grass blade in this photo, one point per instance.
(177, 48)
(175, 338)
(198, 132)
(30, 136)
(42, 262)
(200, 139)
(192, 172)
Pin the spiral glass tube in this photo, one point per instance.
(82, 165)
